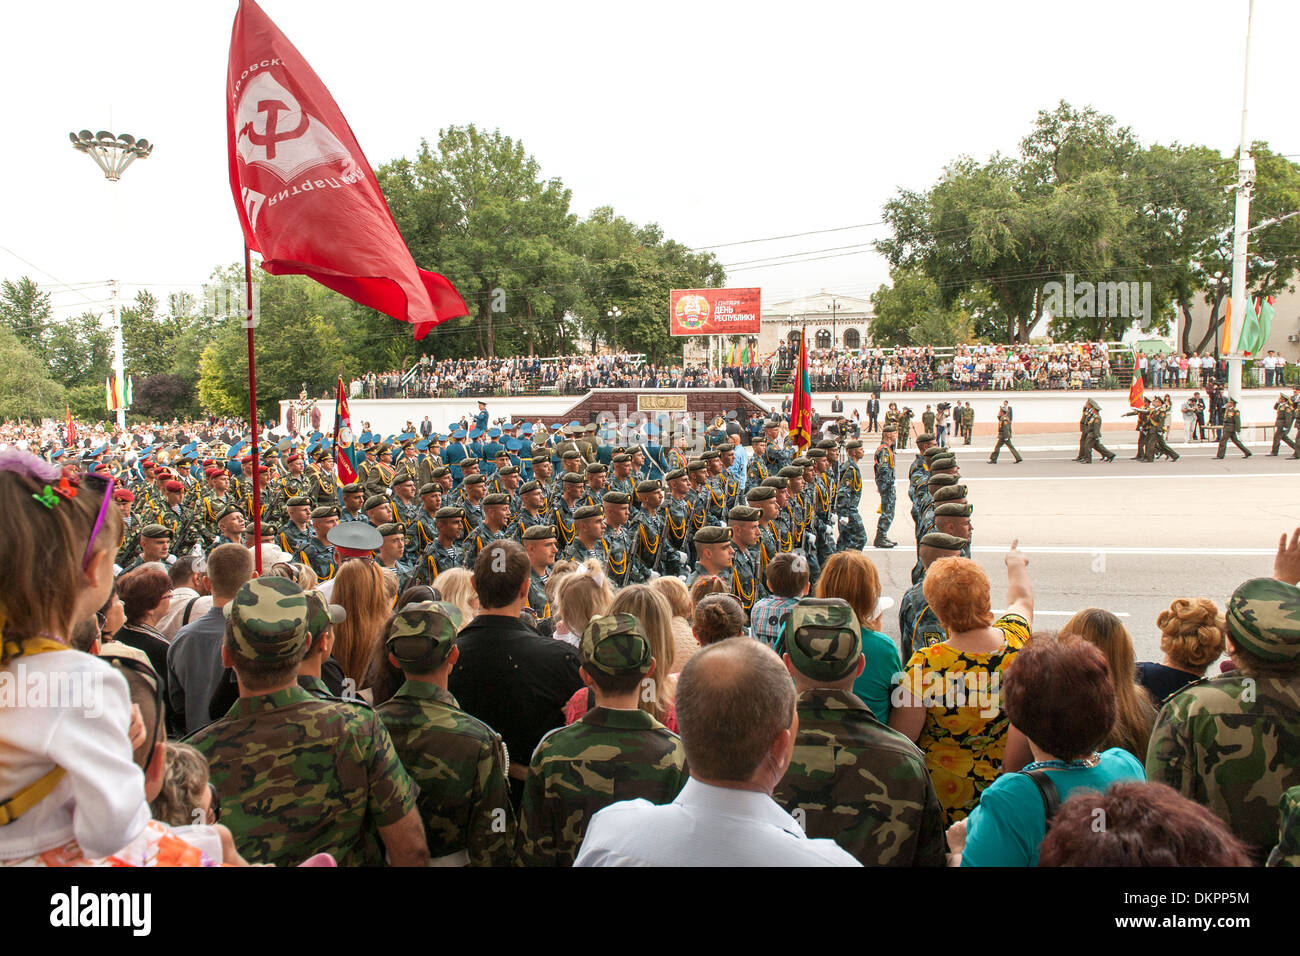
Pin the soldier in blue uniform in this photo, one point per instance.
(885, 485)
(848, 499)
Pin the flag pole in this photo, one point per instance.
(252, 409)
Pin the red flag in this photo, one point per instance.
(1135, 390)
(343, 440)
(801, 408)
(307, 199)
(72, 428)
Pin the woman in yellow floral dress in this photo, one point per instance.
(949, 696)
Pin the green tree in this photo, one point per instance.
(26, 389)
(26, 311)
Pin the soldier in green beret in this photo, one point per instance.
(473, 491)
(616, 751)
(155, 542)
(1229, 742)
(354, 497)
(588, 536)
(746, 579)
(531, 509)
(318, 552)
(444, 553)
(621, 549)
(378, 510)
(884, 475)
(851, 778)
(714, 554)
(458, 761)
(230, 526)
(540, 544)
(496, 517)
(295, 534)
(848, 499)
(918, 625)
(347, 794)
(570, 500)
(423, 531)
(392, 553)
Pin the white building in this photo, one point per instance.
(839, 321)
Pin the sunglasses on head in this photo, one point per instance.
(106, 483)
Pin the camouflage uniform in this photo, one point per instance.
(1287, 851)
(460, 766)
(848, 501)
(320, 556)
(292, 539)
(885, 485)
(918, 625)
(476, 542)
(607, 756)
(434, 561)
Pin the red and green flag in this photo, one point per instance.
(345, 449)
(801, 409)
(1135, 390)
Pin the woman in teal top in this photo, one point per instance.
(1059, 694)
(852, 576)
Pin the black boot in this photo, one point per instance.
(883, 543)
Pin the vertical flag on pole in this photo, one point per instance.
(801, 408)
(1136, 389)
(344, 447)
(71, 435)
(1225, 347)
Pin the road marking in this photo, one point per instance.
(1163, 476)
(1106, 549)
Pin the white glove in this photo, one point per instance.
(844, 521)
(812, 538)
(681, 556)
(833, 518)
(653, 575)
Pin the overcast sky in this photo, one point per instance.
(722, 122)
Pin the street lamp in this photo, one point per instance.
(834, 307)
(1218, 281)
(614, 313)
(112, 154)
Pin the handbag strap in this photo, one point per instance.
(1047, 790)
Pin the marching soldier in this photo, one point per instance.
(1156, 444)
(763, 498)
(1286, 412)
(714, 554)
(532, 509)
(1231, 426)
(650, 529)
(622, 553)
(885, 485)
(918, 625)
(496, 516)
(1004, 438)
(566, 506)
(848, 499)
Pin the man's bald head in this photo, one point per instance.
(732, 702)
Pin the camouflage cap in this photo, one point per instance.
(354, 488)
(451, 511)
(391, 528)
(649, 486)
(155, 531)
(496, 498)
(823, 638)
(268, 620)
(374, 501)
(325, 511)
(298, 501)
(422, 634)
(1263, 618)
(588, 511)
(760, 493)
(616, 498)
(615, 644)
(675, 474)
(430, 488)
(530, 486)
(712, 534)
(790, 471)
(953, 509)
(744, 513)
(946, 542)
(572, 478)
(539, 532)
(950, 493)
(321, 613)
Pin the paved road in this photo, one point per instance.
(1127, 536)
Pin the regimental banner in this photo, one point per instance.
(715, 311)
(661, 403)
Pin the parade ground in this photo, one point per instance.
(1126, 536)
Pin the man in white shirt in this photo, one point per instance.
(736, 714)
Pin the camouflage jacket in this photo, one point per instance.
(297, 776)
(918, 625)
(1232, 743)
(607, 756)
(460, 764)
(434, 561)
(854, 780)
(472, 544)
(1287, 851)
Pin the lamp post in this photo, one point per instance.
(834, 307)
(614, 313)
(113, 154)
(1240, 228)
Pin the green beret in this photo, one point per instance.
(815, 453)
(298, 501)
(496, 498)
(374, 501)
(571, 454)
(698, 465)
(539, 532)
(953, 509)
(442, 471)
(771, 423)
(430, 488)
(946, 542)
(475, 479)
(943, 462)
(541, 459)
(887, 430)
(616, 498)
(325, 511)
(354, 488)
(712, 534)
(744, 513)
(709, 455)
(616, 645)
(508, 470)
(622, 459)
(853, 443)
(648, 486)
(268, 620)
(321, 614)
(823, 638)
(675, 474)
(942, 481)
(827, 444)
(422, 634)
(391, 527)
(155, 531)
(760, 493)
(596, 468)
(950, 493)
(935, 452)
(403, 479)
(530, 486)
(777, 482)
(573, 478)
(227, 511)
(468, 463)
(803, 461)
(790, 471)
(451, 511)
(588, 511)
(1263, 618)
(924, 438)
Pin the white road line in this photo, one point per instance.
(1105, 549)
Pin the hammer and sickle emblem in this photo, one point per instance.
(272, 109)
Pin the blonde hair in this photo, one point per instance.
(1192, 632)
(1134, 713)
(674, 591)
(651, 608)
(583, 594)
(456, 585)
(185, 777)
(554, 578)
(359, 588)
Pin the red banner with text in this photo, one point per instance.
(715, 311)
